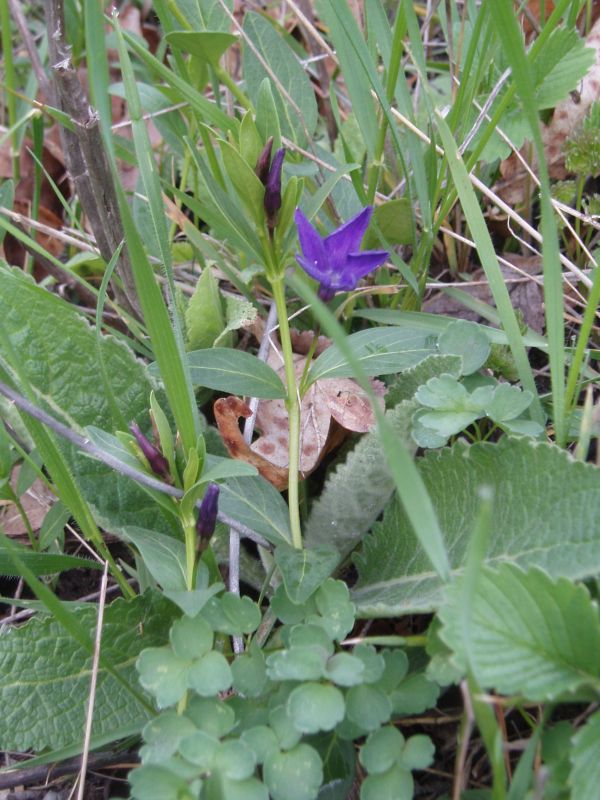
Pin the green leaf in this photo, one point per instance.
(303, 571)
(234, 372)
(585, 770)
(208, 46)
(507, 403)
(163, 674)
(163, 555)
(407, 383)
(368, 707)
(42, 563)
(349, 504)
(210, 675)
(246, 184)
(337, 611)
(200, 748)
(395, 784)
(53, 525)
(394, 220)
(299, 663)
(41, 708)
(546, 514)
(345, 669)
(256, 503)
(262, 740)
(157, 783)
(468, 340)
(204, 320)
(249, 673)
(414, 695)
(267, 55)
(162, 736)
(295, 775)
(528, 634)
(191, 638)
(211, 715)
(418, 752)
(238, 312)
(316, 707)
(380, 351)
(235, 760)
(54, 345)
(561, 64)
(381, 750)
(232, 615)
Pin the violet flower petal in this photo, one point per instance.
(272, 201)
(311, 243)
(158, 463)
(346, 239)
(207, 515)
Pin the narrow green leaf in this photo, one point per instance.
(234, 371)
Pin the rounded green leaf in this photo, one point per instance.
(396, 667)
(286, 732)
(395, 784)
(415, 694)
(191, 638)
(315, 707)
(261, 740)
(288, 612)
(163, 674)
(418, 752)
(336, 609)
(210, 675)
(381, 750)
(200, 749)
(345, 670)
(157, 783)
(211, 715)
(249, 675)
(310, 635)
(297, 664)
(373, 661)
(367, 707)
(235, 760)
(249, 789)
(162, 736)
(208, 46)
(232, 615)
(466, 339)
(295, 775)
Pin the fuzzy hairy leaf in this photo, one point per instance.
(57, 350)
(45, 674)
(527, 634)
(546, 514)
(406, 383)
(358, 490)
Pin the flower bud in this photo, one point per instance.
(207, 515)
(264, 161)
(158, 463)
(272, 201)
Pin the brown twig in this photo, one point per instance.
(85, 156)
(28, 776)
(21, 23)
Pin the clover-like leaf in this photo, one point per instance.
(418, 752)
(415, 694)
(286, 610)
(162, 736)
(395, 784)
(345, 669)
(163, 674)
(336, 609)
(157, 783)
(295, 775)
(191, 638)
(367, 706)
(300, 663)
(382, 750)
(373, 661)
(508, 402)
(286, 732)
(468, 340)
(249, 673)
(315, 707)
(232, 615)
(211, 715)
(262, 740)
(210, 675)
(235, 760)
(200, 749)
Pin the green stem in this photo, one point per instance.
(293, 409)
(190, 555)
(584, 335)
(235, 90)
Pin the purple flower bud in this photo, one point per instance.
(272, 200)
(158, 463)
(264, 161)
(207, 515)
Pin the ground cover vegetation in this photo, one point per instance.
(299, 473)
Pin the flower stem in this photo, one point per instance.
(293, 409)
(190, 555)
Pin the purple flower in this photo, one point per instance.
(207, 515)
(158, 463)
(269, 174)
(336, 261)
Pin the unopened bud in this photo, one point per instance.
(272, 200)
(264, 162)
(207, 515)
(158, 463)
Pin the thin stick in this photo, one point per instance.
(93, 684)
